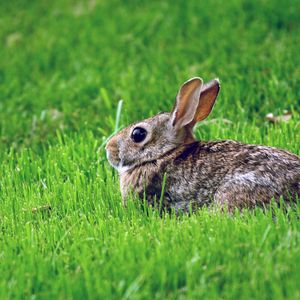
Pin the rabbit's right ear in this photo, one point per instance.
(186, 103)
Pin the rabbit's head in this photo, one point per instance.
(153, 138)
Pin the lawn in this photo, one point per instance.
(64, 67)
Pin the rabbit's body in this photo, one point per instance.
(161, 154)
(203, 173)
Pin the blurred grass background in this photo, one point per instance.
(64, 66)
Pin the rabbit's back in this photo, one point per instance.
(231, 172)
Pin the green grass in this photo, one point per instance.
(64, 66)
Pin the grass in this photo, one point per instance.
(64, 66)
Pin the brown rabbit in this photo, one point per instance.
(161, 154)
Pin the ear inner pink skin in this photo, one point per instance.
(187, 102)
(198, 173)
(207, 100)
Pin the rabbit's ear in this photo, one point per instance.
(208, 96)
(186, 103)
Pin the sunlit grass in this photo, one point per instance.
(64, 67)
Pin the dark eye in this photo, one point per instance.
(138, 134)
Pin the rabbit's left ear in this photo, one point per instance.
(186, 103)
(208, 96)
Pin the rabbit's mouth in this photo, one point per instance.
(117, 164)
(113, 158)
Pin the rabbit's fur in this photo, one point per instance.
(194, 173)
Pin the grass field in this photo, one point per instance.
(64, 66)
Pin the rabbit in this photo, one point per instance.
(159, 159)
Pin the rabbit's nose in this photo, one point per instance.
(112, 152)
(111, 144)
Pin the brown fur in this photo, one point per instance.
(200, 173)
(216, 172)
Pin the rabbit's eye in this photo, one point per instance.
(138, 134)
